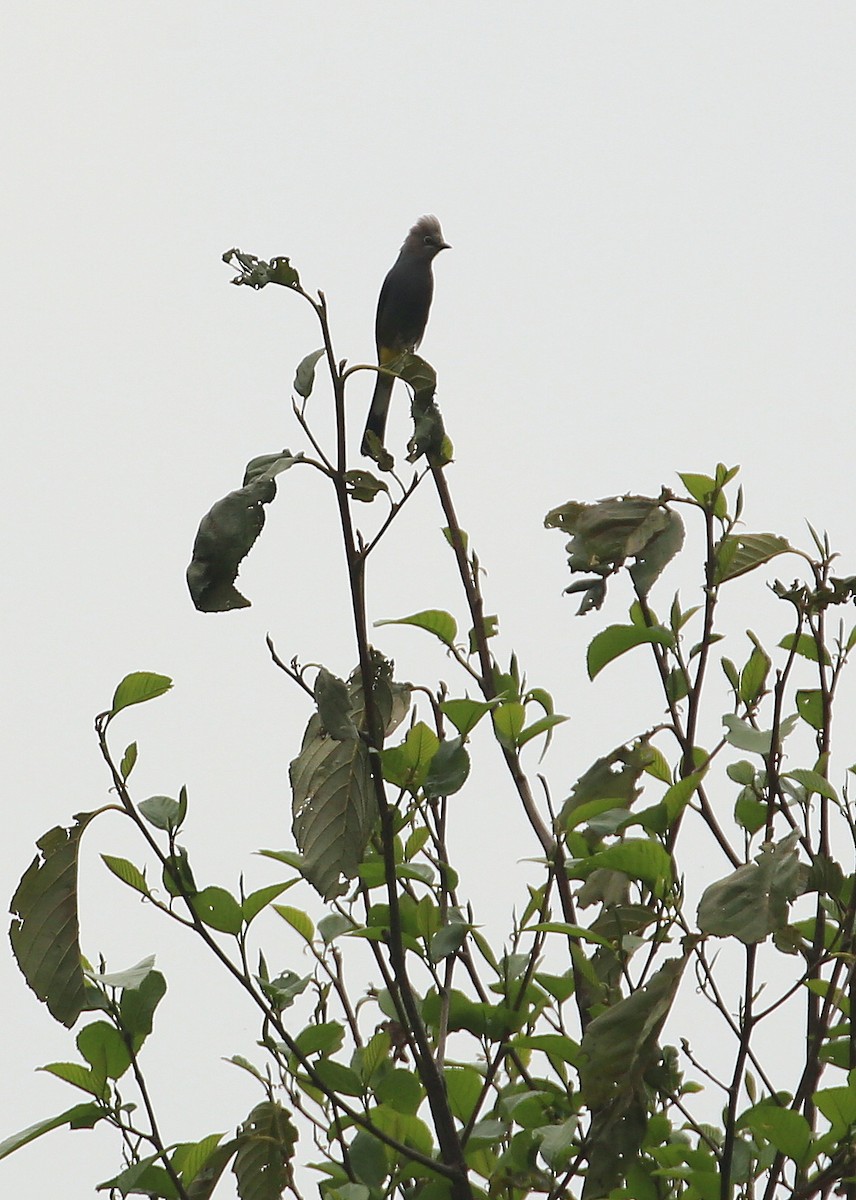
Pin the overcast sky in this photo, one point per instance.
(650, 208)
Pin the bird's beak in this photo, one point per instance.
(445, 246)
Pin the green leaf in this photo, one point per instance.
(542, 725)
(805, 645)
(752, 902)
(161, 811)
(464, 1086)
(401, 1090)
(810, 706)
(750, 812)
(177, 875)
(266, 1147)
(81, 1116)
(334, 807)
(813, 781)
(127, 872)
(45, 930)
(407, 765)
(326, 1037)
(434, 620)
(225, 537)
(640, 858)
(130, 978)
(339, 1078)
(754, 676)
(368, 1161)
(838, 1105)
(554, 1045)
(128, 760)
(465, 714)
(298, 920)
(80, 1077)
(787, 1130)
(260, 899)
(737, 554)
(702, 489)
(104, 1049)
(137, 688)
(449, 768)
(218, 909)
(304, 378)
(616, 640)
(137, 1006)
(144, 1177)
(508, 721)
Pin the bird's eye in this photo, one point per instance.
(428, 239)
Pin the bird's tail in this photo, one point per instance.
(376, 422)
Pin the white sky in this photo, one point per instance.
(650, 208)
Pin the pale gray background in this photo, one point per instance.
(653, 269)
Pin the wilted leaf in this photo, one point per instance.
(752, 902)
(334, 807)
(304, 378)
(266, 1147)
(45, 930)
(620, 1043)
(226, 535)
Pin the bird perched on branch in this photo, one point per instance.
(402, 312)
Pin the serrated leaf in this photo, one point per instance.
(739, 553)
(299, 921)
(137, 689)
(127, 872)
(334, 807)
(813, 781)
(304, 377)
(508, 721)
(81, 1116)
(78, 1076)
(805, 645)
(434, 620)
(616, 640)
(45, 929)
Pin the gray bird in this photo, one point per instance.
(402, 311)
